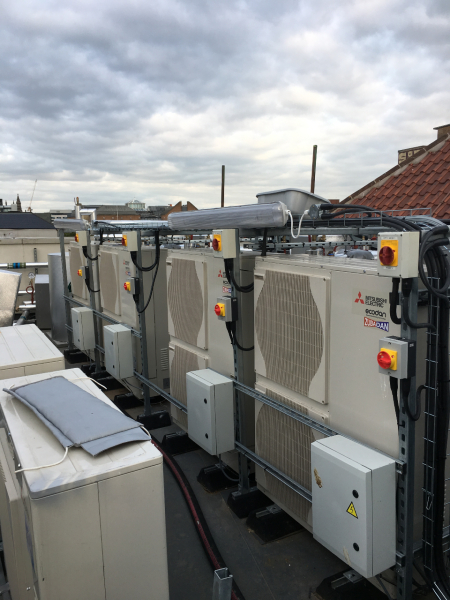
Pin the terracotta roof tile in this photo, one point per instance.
(422, 184)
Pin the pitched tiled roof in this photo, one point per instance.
(423, 181)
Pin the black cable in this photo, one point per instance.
(405, 387)
(408, 320)
(231, 328)
(151, 267)
(86, 255)
(436, 432)
(358, 208)
(264, 243)
(158, 256)
(393, 301)
(393, 382)
(244, 289)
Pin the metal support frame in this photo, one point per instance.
(405, 463)
(222, 585)
(66, 290)
(405, 493)
(92, 302)
(238, 358)
(143, 328)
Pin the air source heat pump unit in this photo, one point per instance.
(86, 528)
(318, 322)
(25, 350)
(116, 270)
(80, 293)
(198, 338)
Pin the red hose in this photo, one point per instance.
(197, 522)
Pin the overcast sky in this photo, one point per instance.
(111, 101)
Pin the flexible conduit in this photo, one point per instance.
(203, 530)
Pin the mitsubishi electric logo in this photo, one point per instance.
(359, 299)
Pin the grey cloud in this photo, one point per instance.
(149, 99)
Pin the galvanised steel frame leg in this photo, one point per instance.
(65, 288)
(98, 364)
(222, 585)
(143, 329)
(405, 495)
(244, 463)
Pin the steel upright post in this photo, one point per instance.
(142, 328)
(405, 497)
(92, 292)
(65, 288)
(238, 355)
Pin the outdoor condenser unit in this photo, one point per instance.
(79, 290)
(318, 322)
(25, 350)
(116, 270)
(90, 527)
(198, 338)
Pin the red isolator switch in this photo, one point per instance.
(219, 309)
(387, 255)
(387, 359)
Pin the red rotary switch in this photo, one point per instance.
(217, 309)
(384, 359)
(386, 255)
(215, 244)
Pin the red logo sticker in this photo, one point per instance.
(359, 299)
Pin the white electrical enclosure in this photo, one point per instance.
(226, 239)
(210, 409)
(25, 350)
(88, 527)
(406, 245)
(83, 328)
(118, 351)
(353, 497)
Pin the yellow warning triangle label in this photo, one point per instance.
(351, 510)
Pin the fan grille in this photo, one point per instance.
(185, 300)
(289, 330)
(109, 287)
(183, 362)
(286, 444)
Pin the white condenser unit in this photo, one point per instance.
(198, 338)
(116, 270)
(318, 322)
(25, 350)
(90, 527)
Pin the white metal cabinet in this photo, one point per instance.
(210, 410)
(26, 350)
(353, 497)
(95, 527)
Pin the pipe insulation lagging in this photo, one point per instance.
(253, 216)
